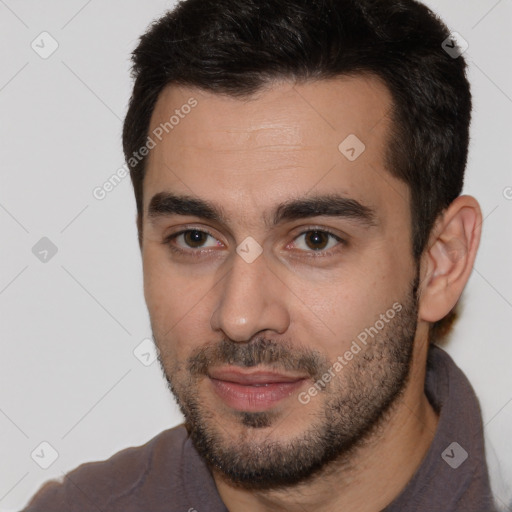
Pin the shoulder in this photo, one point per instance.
(94, 485)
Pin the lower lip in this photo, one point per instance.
(254, 398)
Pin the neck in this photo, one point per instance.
(375, 472)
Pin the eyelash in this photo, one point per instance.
(321, 253)
(198, 252)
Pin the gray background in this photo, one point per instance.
(69, 326)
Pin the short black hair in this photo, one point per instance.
(236, 47)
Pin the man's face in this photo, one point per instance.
(301, 260)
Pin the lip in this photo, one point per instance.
(255, 390)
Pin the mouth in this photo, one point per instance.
(255, 390)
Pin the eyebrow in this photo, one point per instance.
(164, 204)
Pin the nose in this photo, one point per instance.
(251, 299)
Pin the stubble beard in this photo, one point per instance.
(356, 404)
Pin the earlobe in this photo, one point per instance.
(448, 260)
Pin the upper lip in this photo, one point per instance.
(251, 377)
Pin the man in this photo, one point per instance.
(297, 168)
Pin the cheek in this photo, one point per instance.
(156, 284)
(177, 302)
(344, 309)
(334, 313)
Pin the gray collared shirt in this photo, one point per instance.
(167, 474)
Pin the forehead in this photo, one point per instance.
(286, 140)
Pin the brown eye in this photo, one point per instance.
(194, 238)
(188, 240)
(317, 240)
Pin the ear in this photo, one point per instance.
(448, 261)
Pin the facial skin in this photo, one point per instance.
(241, 341)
